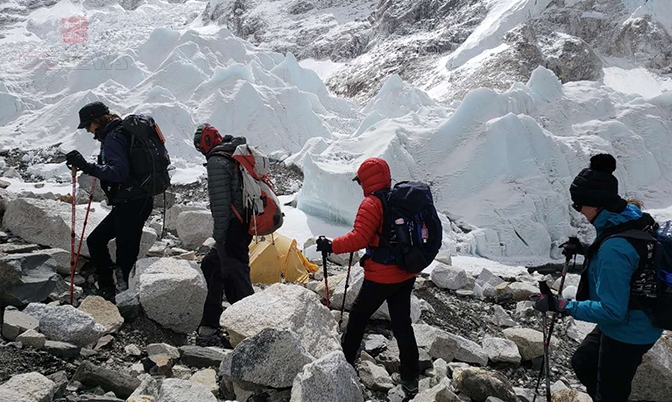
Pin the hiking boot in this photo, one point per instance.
(207, 336)
(122, 285)
(108, 293)
(409, 386)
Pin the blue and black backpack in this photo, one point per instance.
(412, 232)
(651, 283)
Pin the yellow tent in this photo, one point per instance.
(275, 256)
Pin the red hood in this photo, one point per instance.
(374, 174)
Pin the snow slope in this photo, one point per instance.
(502, 162)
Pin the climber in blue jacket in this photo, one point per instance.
(607, 360)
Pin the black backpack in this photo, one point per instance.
(149, 159)
(412, 232)
(651, 283)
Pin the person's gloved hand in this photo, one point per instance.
(324, 245)
(546, 303)
(74, 158)
(572, 247)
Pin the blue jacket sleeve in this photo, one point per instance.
(115, 155)
(615, 263)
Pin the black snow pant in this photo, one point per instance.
(370, 298)
(124, 223)
(227, 271)
(606, 366)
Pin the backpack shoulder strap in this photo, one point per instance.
(383, 196)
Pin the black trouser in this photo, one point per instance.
(227, 271)
(370, 298)
(124, 223)
(606, 366)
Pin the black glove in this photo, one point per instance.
(546, 303)
(572, 247)
(74, 158)
(324, 245)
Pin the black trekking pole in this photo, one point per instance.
(543, 287)
(345, 294)
(326, 280)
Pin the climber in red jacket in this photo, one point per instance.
(381, 282)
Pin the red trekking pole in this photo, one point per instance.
(81, 240)
(72, 233)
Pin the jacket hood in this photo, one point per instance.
(228, 144)
(374, 174)
(608, 219)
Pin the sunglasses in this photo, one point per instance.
(577, 207)
(356, 179)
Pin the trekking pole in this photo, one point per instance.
(326, 281)
(345, 294)
(81, 240)
(546, 364)
(73, 170)
(565, 268)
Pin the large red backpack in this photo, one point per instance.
(262, 207)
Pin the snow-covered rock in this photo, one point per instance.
(328, 379)
(294, 307)
(158, 280)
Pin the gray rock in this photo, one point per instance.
(501, 350)
(91, 375)
(15, 323)
(328, 379)
(524, 394)
(375, 377)
(62, 259)
(67, 324)
(194, 228)
(439, 393)
(479, 384)
(32, 338)
(525, 308)
(158, 280)
(570, 395)
(487, 277)
(651, 383)
(60, 378)
(271, 358)
(207, 378)
(174, 390)
(198, 357)
(30, 387)
(521, 291)
(558, 386)
(26, 278)
(103, 312)
(133, 350)
(530, 342)
(444, 347)
(469, 351)
(396, 394)
(61, 349)
(163, 349)
(502, 318)
(344, 259)
(294, 307)
(389, 358)
(578, 330)
(128, 303)
(375, 344)
(147, 240)
(85, 183)
(448, 277)
(173, 213)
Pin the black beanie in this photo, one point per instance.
(596, 186)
